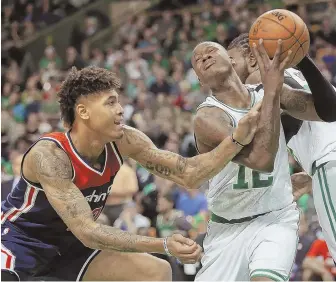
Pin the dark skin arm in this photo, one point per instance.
(212, 125)
(298, 103)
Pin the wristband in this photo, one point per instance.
(166, 247)
(236, 142)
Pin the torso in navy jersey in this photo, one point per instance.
(28, 210)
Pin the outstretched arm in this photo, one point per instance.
(51, 167)
(188, 172)
(297, 102)
(317, 105)
(324, 94)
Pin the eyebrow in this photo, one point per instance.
(206, 48)
(114, 97)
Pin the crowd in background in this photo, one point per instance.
(160, 93)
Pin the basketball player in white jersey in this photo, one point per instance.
(252, 211)
(312, 143)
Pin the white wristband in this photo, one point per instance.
(166, 247)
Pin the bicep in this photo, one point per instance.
(212, 127)
(52, 168)
(139, 147)
(298, 103)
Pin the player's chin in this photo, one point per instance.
(119, 131)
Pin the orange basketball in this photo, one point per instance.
(281, 24)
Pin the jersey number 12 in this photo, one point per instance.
(252, 179)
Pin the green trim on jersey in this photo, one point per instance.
(322, 187)
(252, 94)
(269, 274)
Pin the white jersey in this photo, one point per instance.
(238, 191)
(315, 142)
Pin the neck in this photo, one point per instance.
(253, 78)
(86, 143)
(167, 214)
(233, 93)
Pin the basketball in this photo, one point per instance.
(281, 24)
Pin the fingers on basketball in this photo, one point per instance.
(281, 24)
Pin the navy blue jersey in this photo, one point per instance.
(28, 210)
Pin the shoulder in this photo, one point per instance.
(46, 148)
(206, 114)
(47, 159)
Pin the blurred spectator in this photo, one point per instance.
(303, 246)
(137, 67)
(169, 220)
(7, 186)
(318, 263)
(124, 187)
(160, 85)
(130, 220)
(73, 59)
(50, 60)
(194, 204)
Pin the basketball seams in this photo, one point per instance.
(290, 34)
(296, 41)
(294, 23)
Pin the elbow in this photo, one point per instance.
(85, 235)
(264, 164)
(190, 181)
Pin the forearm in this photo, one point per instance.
(264, 146)
(205, 166)
(324, 94)
(104, 237)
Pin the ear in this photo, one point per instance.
(82, 111)
(252, 60)
(233, 62)
(200, 82)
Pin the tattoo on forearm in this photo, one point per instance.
(107, 237)
(161, 169)
(294, 102)
(181, 164)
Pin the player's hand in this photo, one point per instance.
(186, 250)
(247, 126)
(271, 71)
(302, 184)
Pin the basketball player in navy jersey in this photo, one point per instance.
(48, 220)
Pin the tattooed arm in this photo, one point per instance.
(188, 172)
(50, 166)
(298, 103)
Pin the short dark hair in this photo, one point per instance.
(87, 81)
(242, 43)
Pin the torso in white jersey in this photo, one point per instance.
(238, 191)
(315, 142)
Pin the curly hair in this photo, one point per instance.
(242, 43)
(88, 81)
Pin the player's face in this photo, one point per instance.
(211, 63)
(244, 64)
(239, 63)
(105, 115)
